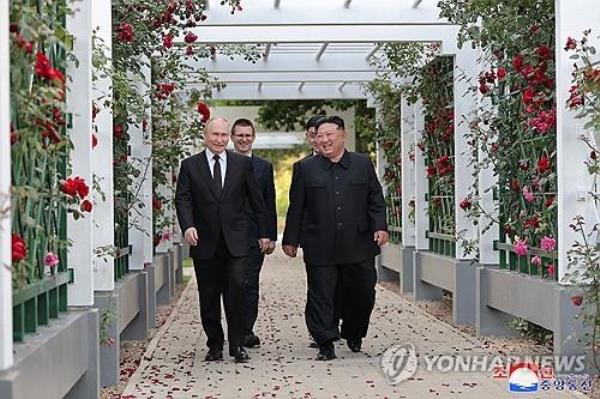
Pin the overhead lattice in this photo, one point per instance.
(313, 48)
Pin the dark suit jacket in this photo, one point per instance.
(314, 205)
(292, 185)
(198, 206)
(263, 172)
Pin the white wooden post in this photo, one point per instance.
(167, 192)
(465, 103)
(6, 340)
(79, 104)
(102, 157)
(421, 184)
(140, 216)
(487, 181)
(574, 181)
(407, 139)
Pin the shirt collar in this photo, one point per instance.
(344, 162)
(210, 155)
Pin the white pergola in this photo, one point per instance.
(313, 49)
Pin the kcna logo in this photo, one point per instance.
(399, 363)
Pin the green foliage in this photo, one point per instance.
(291, 115)
(39, 146)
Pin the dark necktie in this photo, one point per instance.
(217, 174)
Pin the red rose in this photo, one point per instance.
(204, 111)
(45, 70)
(577, 300)
(125, 32)
(82, 189)
(69, 187)
(501, 73)
(543, 164)
(571, 44)
(190, 37)
(517, 62)
(156, 204)
(189, 50)
(86, 206)
(118, 131)
(465, 204)
(94, 141)
(19, 249)
(483, 89)
(528, 95)
(168, 41)
(549, 202)
(544, 52)
(14, 137)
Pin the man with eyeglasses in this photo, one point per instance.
(243, 135)
(337, 211)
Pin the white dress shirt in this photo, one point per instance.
(222, 162)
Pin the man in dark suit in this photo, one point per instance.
(339, 201)
(213, 190)
(243, 135)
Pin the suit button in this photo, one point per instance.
(340, 224)
(337, 193)
(339, 208)
(337, 178)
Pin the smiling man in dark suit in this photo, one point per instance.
(213, 191)
(337, 209)
(243, 135)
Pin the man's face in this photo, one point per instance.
(216, 136)
(311, 136)
(331, 140)
(243, 138)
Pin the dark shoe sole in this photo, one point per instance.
(321, 357)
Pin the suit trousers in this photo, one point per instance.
(353, 299)
(251, 283)
(223, 274)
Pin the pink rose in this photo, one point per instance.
(51, 259)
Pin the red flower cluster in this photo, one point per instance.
(571, 44)
(45, 70)
(164, 90)
(444, 166)
(19, 248)
(576, 97)
(544, 121)
(190, 37)
(156, 204)
(125, 32)
(204, 112)
(76, 187)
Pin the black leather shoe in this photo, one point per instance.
(313, 344)
(326, 352)
(251, 340)
(354, 344)
(213, 355)
(240, 354)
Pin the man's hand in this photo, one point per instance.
(263, 244)
(191, 236)
(271, 248)
(381, 237)
(290, 250)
